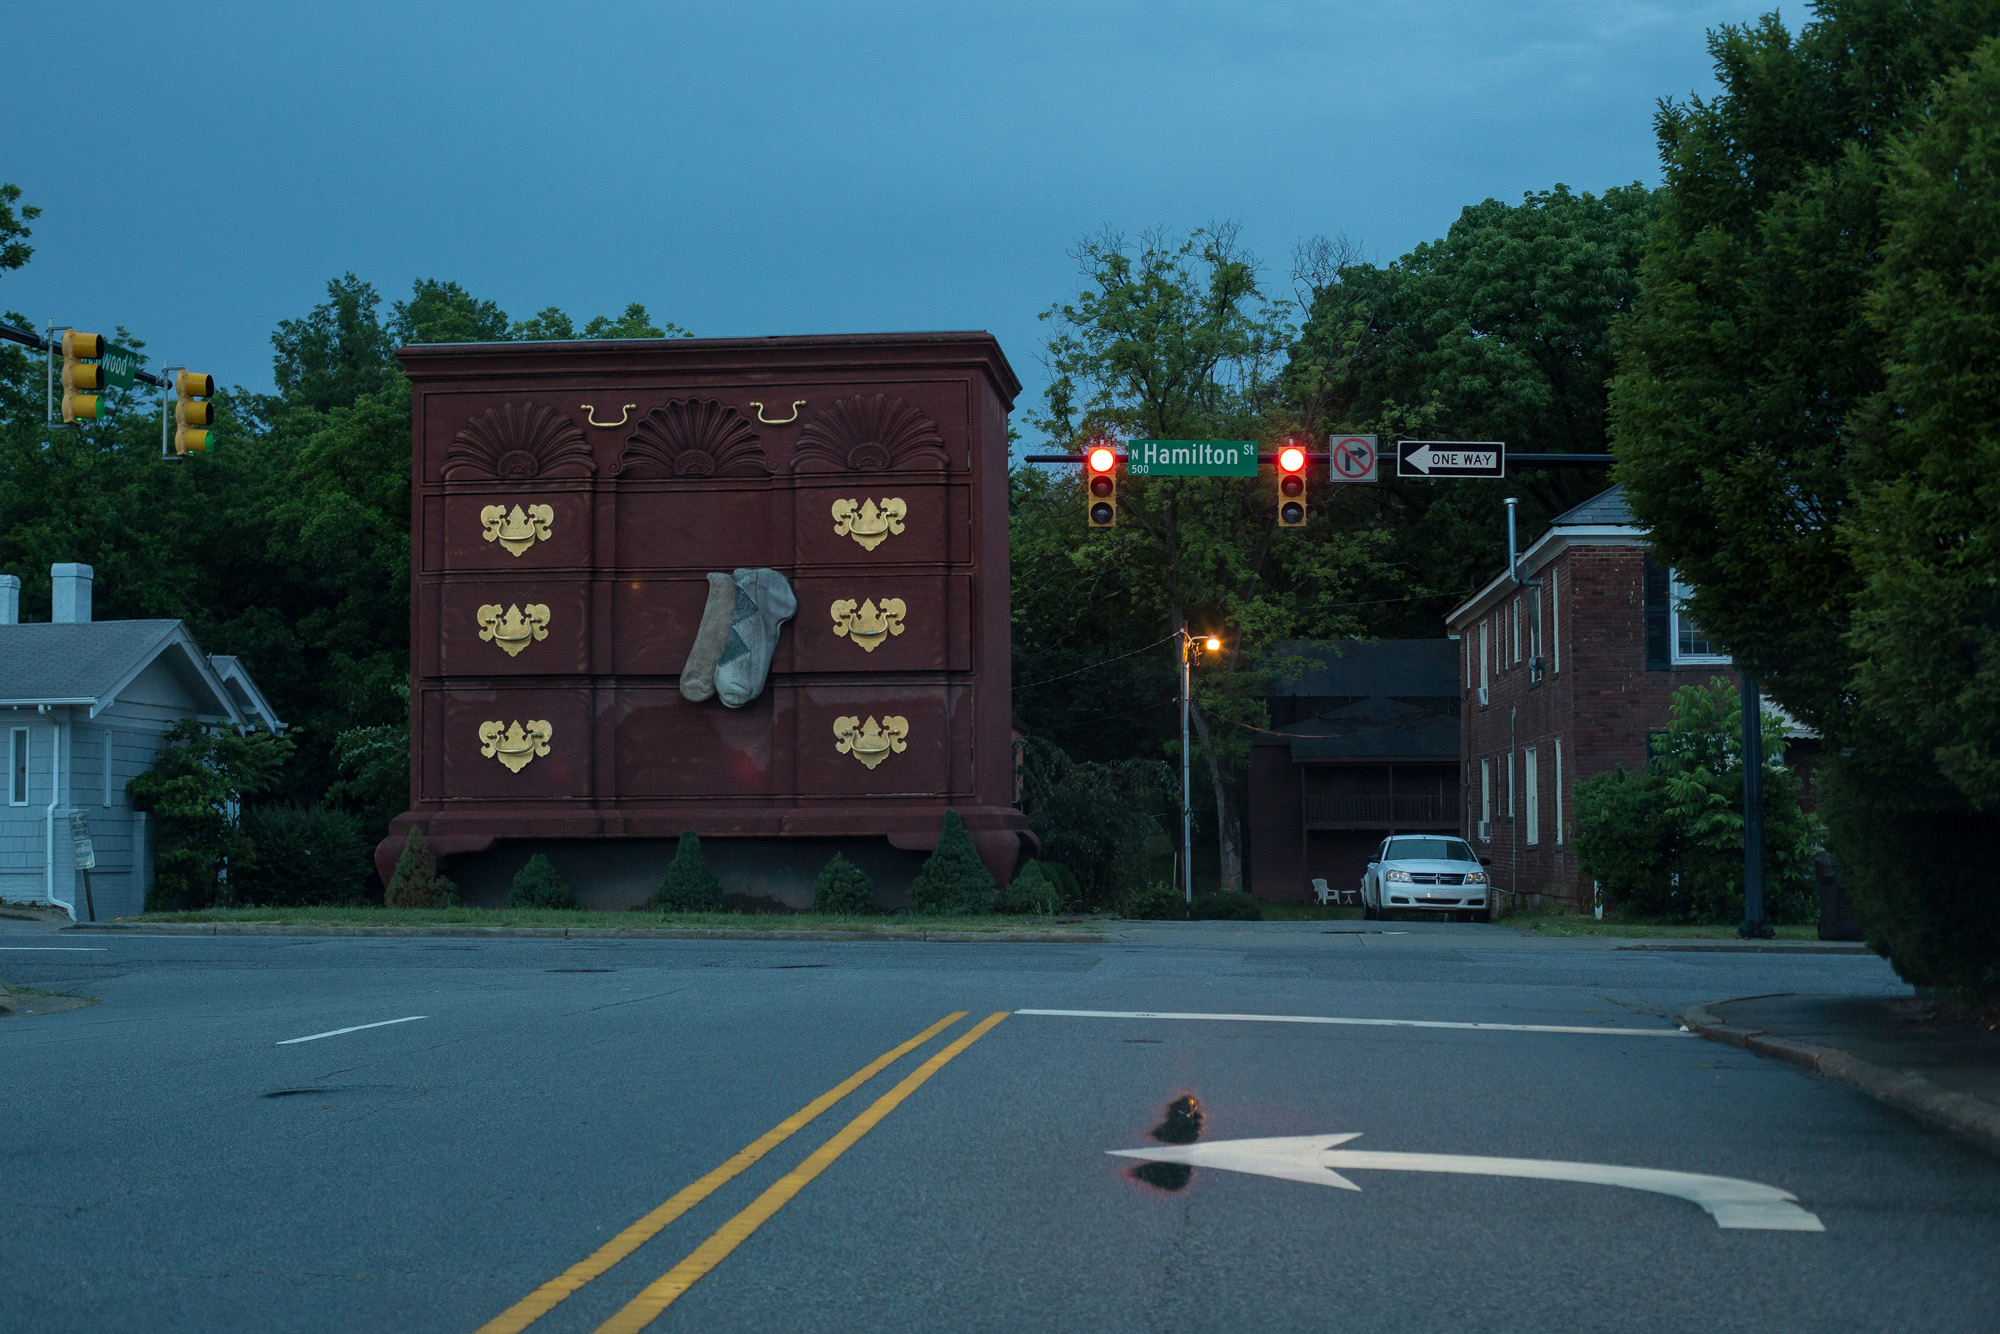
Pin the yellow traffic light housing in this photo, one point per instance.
(1291, 487)
(192, 415)
(1100, 486)
(82, 376)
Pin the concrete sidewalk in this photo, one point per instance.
(1912, 1054)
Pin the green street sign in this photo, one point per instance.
(1192, 458)
(120, 367)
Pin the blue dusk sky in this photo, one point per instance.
(780, 168)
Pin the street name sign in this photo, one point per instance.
(121, 367)
(1451, 458)
(1353, 458)
(1191, 458)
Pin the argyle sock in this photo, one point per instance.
(698, 677)
(764, 602)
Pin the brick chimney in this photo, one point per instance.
(10, 599)
(70, 603)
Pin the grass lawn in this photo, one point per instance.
(559, 917)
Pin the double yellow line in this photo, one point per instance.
(662, 1292)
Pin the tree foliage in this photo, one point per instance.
(1806, 375)
(688, 886)
(537, 885)
(195, 793)
(1669, 843)
(842, 888)
(953, 881)
(415, 883)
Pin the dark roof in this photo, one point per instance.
(50, 661)
(1377, 728)
(1606, 508)
(1391, 668)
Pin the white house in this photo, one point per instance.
(84, 705)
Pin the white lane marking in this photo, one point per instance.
(334, 1033)
(64, 949)
(1369, 1023)
(1732, 1202)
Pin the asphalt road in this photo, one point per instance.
(170, 1160)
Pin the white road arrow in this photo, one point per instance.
(1312, 1158)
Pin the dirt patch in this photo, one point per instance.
(21, 1003)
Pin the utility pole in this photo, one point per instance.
(1754, 926)
(1187, 791)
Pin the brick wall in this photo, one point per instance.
(1595, 705)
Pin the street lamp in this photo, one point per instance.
(1212, 644)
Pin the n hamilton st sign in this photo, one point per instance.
(1451, 458)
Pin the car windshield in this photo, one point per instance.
(1429, 849)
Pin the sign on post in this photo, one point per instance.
(1191, 458)
(79, 841)
(1353, 458)
(1451, 458)
(121, 367)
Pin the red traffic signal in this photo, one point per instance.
(1101, 487)
(1291, 487)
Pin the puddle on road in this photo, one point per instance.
(1181, 1125)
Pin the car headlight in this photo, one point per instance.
(1475, 877)
(1403, 876)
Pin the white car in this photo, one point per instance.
(1426, 873)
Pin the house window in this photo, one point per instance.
(1485, 649)
(1510, 785)
(1535, 627)
(1486, 792)
(1689, 643)
(1555, 617)
(17, 769)
(1559, 791)
(1528, 777)
(1517, 629)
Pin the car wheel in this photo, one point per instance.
(1484, 915)
(1369, 912)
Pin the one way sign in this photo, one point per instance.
(1451, 458)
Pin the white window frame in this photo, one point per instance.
(1555, 618)
(1486, 791)
(18, 773)
(1510, 785)
(1485, 634)
(1530, 786)
(1559, 791)
(1517, 628)
(1677, 593)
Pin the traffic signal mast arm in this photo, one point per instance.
(29, 338)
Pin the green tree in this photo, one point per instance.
(953, 881)
(195, 792)
(14, 232)
(536, 885)
(415, 883)
(444, 312)
(688, 886)
(335, 353)
(1763, 432)
(842, 888)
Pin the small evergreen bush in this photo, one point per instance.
(416, 882)
(303, 856)
(843, 888)
(1154, 901)
(1032, 892)
(537, 885)
(1225, 905)
(689, 886)
(953, 880)
(1064, 881)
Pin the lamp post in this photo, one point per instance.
(1212, 644)
(1754, 926)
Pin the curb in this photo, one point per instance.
(1761, 947)
(1971, 1119)
(588, 932)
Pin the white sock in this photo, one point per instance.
(764, 602)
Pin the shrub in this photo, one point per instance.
(1154, 901)
(1094, 819)
(194, 792)
(301, 856)
(953, 880)
(1225, 905)
(689, 886)
(843, 888)
(1064, 882)
(537, 885)
(415, 882)
(1032, 892)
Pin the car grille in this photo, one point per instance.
(1439, 903)
(1436, 878)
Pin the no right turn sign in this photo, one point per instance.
(1353, 458)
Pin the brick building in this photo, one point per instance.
(1564, 676)
(1363, 743)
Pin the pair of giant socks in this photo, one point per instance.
(738, 634)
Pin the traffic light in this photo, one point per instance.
(82, 377)
(193, 416)
(1100, 472)
(1291, 487)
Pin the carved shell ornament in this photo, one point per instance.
(694, 437)
(868, 523)
(868, 625)
(515, 628)
(869, 433)
(870, 742)
(514, 745)
(517, 442)
(517, 529)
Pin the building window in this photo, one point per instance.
(1517, 629)
(1559, 791)
(1485, 650)
(1555, 617)
(1689, 643)
(1535, 627)
(1528, 777)
(1486, 792)
(1510, 785)
(17, 787)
